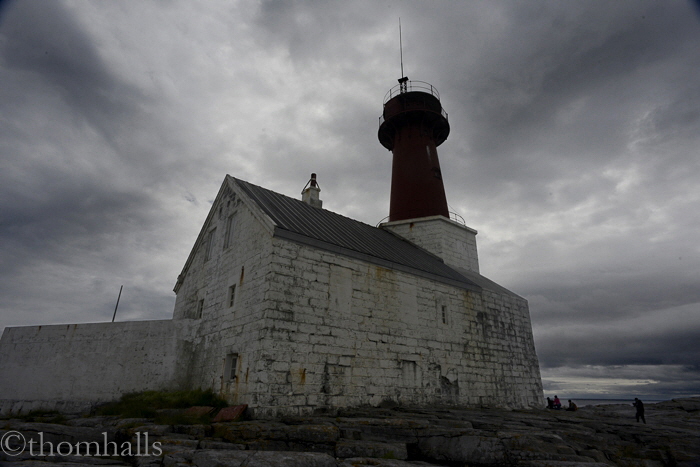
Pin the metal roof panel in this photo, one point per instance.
(298, 221)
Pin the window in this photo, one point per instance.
(228, 236)
(231, 367)
(200, 307)
(208, 245)
(231, 295)
(442, 311)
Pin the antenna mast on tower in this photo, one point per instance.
(403, 80)
(401, 47)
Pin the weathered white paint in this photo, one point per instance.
(314, 329)
(390, 343)
(310, 329)
(453, 242)
(89, 362)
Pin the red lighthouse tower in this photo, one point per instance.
(412, 126)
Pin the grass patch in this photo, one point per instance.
(147, 404)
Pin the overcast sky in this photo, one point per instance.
(574, 151)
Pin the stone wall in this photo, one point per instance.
(225, 328)
(453, 242)
(88, 362)
(340, 332)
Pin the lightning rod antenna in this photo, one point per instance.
(401, 47)
(403, 86)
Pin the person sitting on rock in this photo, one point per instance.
(557, 403)
(572, 407)
(550, 403)
(640, 410)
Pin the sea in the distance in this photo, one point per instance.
(585, 402)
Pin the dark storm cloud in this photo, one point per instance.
(560, 96)
(617, 348)
(319, 30)
(42, 38)
(42, 42)
(61, 94)
(42, 45)
(65, 148)
(83, 211)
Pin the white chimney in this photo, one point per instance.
(310, 193)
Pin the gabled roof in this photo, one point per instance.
(301, 223)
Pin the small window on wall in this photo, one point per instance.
(231, 296)
(200, 308)
(228, 235)
(442, 313)
(231, 367)
(208, 245)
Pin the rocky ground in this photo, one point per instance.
(593, 436)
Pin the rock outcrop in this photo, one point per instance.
(593, 436)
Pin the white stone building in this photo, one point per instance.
(291, 308)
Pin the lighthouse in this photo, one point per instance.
(412, 125)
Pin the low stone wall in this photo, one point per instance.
(43, 365)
